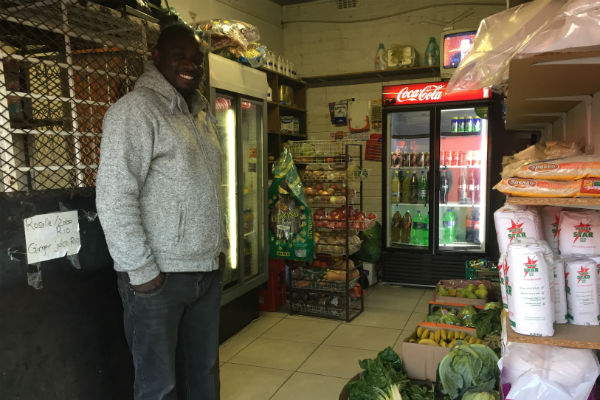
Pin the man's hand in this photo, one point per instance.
(150, 285)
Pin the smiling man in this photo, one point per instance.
(157, 194)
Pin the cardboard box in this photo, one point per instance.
(421, 360)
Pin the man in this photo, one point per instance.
(465, 46)
(157, 196)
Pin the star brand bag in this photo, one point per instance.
(579, 232)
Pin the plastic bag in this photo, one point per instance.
(535, 27)
(290, 217)
(224, 33)
(371, 247)
(541, 372)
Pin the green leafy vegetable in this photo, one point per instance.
(468, 368)
(466, 315)
(450, 318)
(492, 305)
(481, 396)
(487, 322)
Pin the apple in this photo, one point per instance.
(333, 199)
(372, 216)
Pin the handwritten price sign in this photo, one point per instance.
(50, 236)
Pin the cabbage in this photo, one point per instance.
(481, 396)
(468, 368)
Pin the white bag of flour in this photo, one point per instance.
(502, 267)
(550, 222)
(597, 260)
(579, 232)
(513, 225)
(559, 293)
(582, 291)
(531, 310)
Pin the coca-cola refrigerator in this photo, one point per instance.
(436, 180)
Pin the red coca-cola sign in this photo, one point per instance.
(433, 92)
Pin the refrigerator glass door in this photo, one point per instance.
(407, 178)
(463, 172)
(225, 113)
(251, 124)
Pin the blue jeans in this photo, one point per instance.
(173, 335)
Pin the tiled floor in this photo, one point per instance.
(283, 357)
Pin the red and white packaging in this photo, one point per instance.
(531, 310)
(550, 224)
(597, 260)
(579, 232)
(582, 291)
(559, 293)
(502, 271)
(514, 224)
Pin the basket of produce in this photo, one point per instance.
(481, 269)
(470, 292)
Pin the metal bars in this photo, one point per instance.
(62, 64)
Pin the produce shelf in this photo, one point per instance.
(581, 202)
(565, 335)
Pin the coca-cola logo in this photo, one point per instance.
(543, 167)
(428, 93)
(521, 182)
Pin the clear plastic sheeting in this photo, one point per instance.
(537, 27)
(542, 372)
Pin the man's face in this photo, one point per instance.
(180, 61)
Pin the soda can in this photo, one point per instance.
(469, 125)
(461, 124)
(461, 158)
(454, 161)
(446, 157)
(454, 125)
(413, 159)
(476, 124)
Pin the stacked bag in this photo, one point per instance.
(551, 169)
(549, 267)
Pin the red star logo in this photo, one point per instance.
(582, 271)
(556, 223)
(506, 268)
(513, 227)
(580, 227)
(530, 264)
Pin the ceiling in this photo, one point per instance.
(289, 2)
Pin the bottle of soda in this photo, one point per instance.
(449, 227)
(475, 224)
(423, 189)
(463, 198)
(471, 187)
(469, 227)
(476, 186)
(414, 188)
(380, 59)
(415, 234)
(444, 186)
(425, 231)
(406, 188)
(406, 228)
(400, 180)
(432, 53)
(395, 187)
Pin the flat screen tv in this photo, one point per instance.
(455, 45)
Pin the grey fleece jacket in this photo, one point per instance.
(158, 183)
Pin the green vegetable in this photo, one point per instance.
(492, 305)
(434, 316)
(450, 318)
(466, 315)
(468, 368)
(487, 322)
(481, 396)
(384, 378)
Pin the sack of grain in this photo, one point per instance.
(502, 269)
(559, 293)
(515, 224)
(597, 260)
(527, 187)
(550, 221)
(531, 311)
(582, 291)
(563, 169)
(579, 232)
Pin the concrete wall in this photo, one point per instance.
(264, 14)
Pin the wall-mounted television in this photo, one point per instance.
(455, 45)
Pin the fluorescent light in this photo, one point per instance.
(231, 188)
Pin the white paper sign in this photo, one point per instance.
(50, 236)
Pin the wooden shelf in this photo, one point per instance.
(580, 202)
(353, 78)
(543, 87)
(565, 335)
